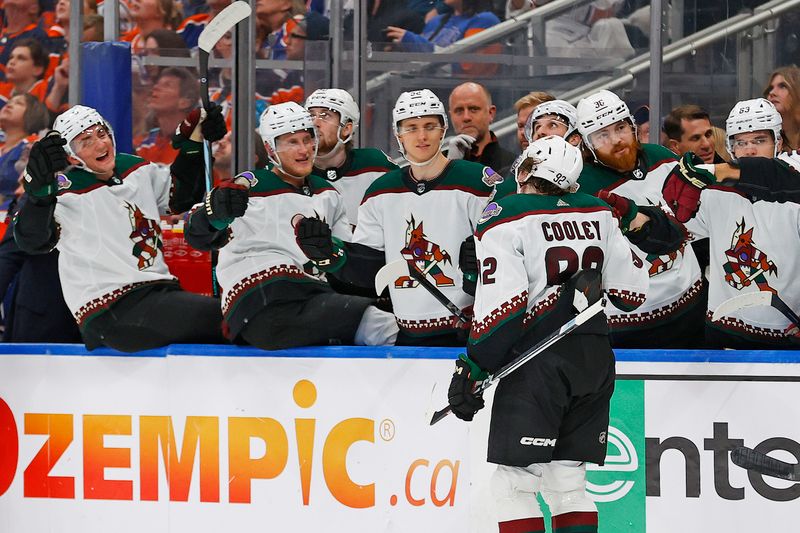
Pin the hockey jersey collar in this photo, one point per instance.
(421, 187)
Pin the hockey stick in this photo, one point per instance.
(541, 346)
(762, 463)
(755, 299)
(395, 269)
(211, 34)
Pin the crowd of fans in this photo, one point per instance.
(35, 79)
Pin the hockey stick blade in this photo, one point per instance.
(743, 301)
(222, 24)
(535, 350)
(388, 273)
(762, 463)
(753, 299)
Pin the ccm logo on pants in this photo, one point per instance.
(537, 441)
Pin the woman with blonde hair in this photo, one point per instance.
(783, 90)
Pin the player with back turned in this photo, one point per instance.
(538, 249)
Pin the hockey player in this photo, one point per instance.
(672, 315)
(420, 214)
(271, 297)
(350, 170)
(753, 239)
(537, 249)
(102, 215)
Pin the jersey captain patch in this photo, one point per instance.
(746, 263)
(146, 237)
(424, 256)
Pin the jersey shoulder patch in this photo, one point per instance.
(471, 176)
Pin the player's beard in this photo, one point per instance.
(624, 162)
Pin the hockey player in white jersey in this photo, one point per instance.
(350, 170)
(102, 214)
(753, 236)
(550, 417)
(672, 316)
(420, 214)
(272, 296)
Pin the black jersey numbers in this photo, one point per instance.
(561, 262)
(488, 268)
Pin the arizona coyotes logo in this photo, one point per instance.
(146, 236)
(424, 256)
(746, 263)
(662, 263)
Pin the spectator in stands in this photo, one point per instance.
(174, 94)
(270, 17)
(192, 26)
(688, 129)
(443, 30)
(641, 117)
(149, 15)
(21, 22)
(385, 13)
(524, 107)
(471, 111)
(783, 90)
(92, 28)
(21, 119)
(165, 43)
(278, 85)
(24, 71)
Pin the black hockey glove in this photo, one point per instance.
(315, 239)
(464, 402)
(684, 184)
(468, 259)
(47, 157)
(225, 202)
(213, 127)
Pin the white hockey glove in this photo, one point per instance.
(459, 146)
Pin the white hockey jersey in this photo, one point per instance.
(262, 247)
(110, 237)
(753, 246)
(675, 278)
(425, 224)
(529, 244)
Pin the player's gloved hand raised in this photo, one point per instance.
(208, 124)
(624, 209)
(459, 146)
(684, 184)
(468, 259)
(226, 201)
(464, 401)
(47, 157)
(314, 237)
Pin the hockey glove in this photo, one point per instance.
(684, 184)
(202, 124)
(460, 146)
(315, 239)
(225, 202)
(624, 209)
(464, 402)
(47, 157)
(468, 259)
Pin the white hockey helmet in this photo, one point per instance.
(415, 104)
(280, 119)
(561, 108)
(75, 121)
(752, 115)
(337, 100)
(599, 110)
(554, 160)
